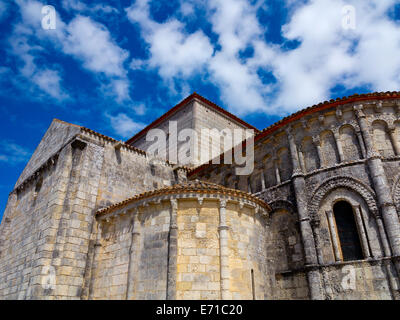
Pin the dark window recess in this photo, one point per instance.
(347, 230)
(38, 186)
(153, 170)
(176, 178)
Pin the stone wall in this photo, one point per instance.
(347, 153)
(184, 119)
(48, 222)
(196, 115)
(350, 152)
(198, 272)
(119, 255)
(180, 246)
(57, 135)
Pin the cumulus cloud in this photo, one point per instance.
(45, 79)
(232, 50)
(82, 38)
(327, 55)
(330, 54)
(13, 153)
(91, 43)
(173, 51)
(124, 126)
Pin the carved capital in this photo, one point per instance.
(391, 128)
(339, 113)
(316, 140)
(359, 110)
(378, 107)
(304, 124)
(222, 203)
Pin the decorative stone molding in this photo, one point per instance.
(339, 113)
(396, 194)
(341, 182)
(190, 190)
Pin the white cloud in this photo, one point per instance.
(13, 153)
(124, 126)
(49, 81)
(91, 43)
(79, 6)
(46, 79)
(177, 54)
(82, 38)
(330, 55)
(173, 51)
(327, 54)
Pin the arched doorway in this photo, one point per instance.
(347, 231)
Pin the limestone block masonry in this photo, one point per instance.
(318, 218)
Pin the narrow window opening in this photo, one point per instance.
(153, 170)
(38, 185)
(347, 231)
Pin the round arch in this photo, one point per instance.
(282, 204)
(341, 182)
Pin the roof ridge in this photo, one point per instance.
(183, 103)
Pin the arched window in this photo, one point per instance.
(347, 230)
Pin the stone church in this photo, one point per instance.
(91, 217)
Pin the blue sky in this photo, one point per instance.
(114, 66)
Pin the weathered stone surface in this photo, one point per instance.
(206, 248)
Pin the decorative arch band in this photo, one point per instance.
(341, 182)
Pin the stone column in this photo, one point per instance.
(223, 251)
(381, 186)
(334, 235)
(383, 237)
(97, 248)
(361, 143)
(133, 263)
(395, 142)
(339, 146)
(317, 143)
(262, 177)
(315, 224)
(277, 174)
(311, 260)
(172, 251)
(361, 230)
